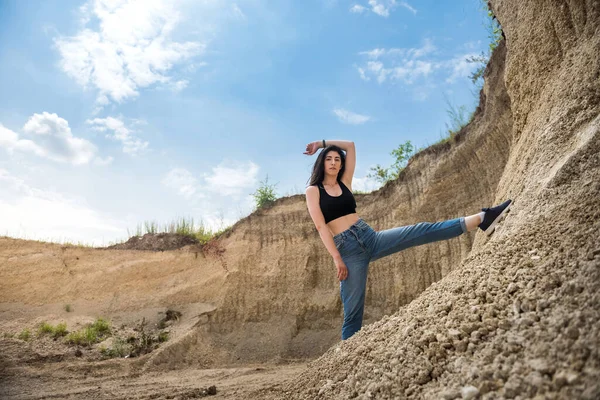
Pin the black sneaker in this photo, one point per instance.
(493, 216)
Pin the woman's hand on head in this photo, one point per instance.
(312, 148)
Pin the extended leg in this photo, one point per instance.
(394, 240)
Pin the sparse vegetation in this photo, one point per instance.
(181, 226)
(265, 195)
(93, 333)
(119, 349)
(54, 331)
(163, 337)
(460, 116)
(401, 156)
(495, 35)
(170, 315)
(25, 334)
(68, 308)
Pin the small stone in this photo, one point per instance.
(573, 333)
(563, 378)
(535, 258)
(486, 387)
(512, 288)
(540, 365)
(450, 394)
(469, 392)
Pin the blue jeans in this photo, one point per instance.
(360, 244)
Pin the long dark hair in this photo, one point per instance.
(318, 172)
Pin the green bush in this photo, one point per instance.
(120, 349)
(60, 330)
(401, 156)
(54, 331)
(92, 333)
(45, 328)
(265, 195)
(24, 335)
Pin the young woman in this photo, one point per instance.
(352, 242)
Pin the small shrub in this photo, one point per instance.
(55, 331)
(265, 195)
(93, 333)
(163, 337)
(25, 335)
(68, 308)
(45, 328)
(60, 330)
(101, 326)
(119, 349)
(401, 156)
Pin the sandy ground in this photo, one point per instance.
(115, 379)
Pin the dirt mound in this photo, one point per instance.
(156, 242)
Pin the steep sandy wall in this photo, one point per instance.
(520, 317)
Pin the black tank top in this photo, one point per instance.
(334, 207)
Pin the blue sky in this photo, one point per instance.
(116, 112)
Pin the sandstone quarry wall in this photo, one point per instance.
(519, 318)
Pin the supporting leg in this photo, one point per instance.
(353, 291)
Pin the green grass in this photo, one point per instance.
(24, 335)
(57, 331)
(181, 226)
(120, 348)
(92, 333)
(163, 337)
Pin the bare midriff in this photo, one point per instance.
(340, 224)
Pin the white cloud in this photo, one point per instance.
(218, 198)
(411, 65)
(373, 54)
(349, 117)
(460, 67)
(382, 7)
(357, 9)
(237, 12)
(180, 85)
(131, 49)
(32, 213)
(51, 138)
(182, 181)
(365, 184)
(131, 144)
(103, 161)
(232, 178)
(406, 54)
(379, 8)
(408, 7)
(226, 179)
